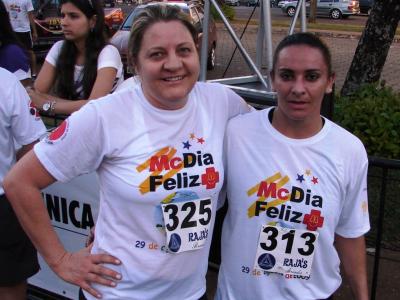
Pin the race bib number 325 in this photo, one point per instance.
(286, 250)
(187, 224)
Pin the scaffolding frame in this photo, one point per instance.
(257, 88)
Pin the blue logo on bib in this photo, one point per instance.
(266, 261)
(175, 242)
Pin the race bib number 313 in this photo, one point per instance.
(187, 224)
(286, 251)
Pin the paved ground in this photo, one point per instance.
(342, 46)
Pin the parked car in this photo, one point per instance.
(232, 2)
(108, 3)
(280, 3)
(335, 9)
(254, 2)
(196, 12)
(366, 6)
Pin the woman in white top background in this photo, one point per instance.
(82, 66)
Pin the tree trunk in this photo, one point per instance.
(374, 45)
(313, 12)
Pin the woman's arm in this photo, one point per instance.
(25, 149)
(22, 186)
(354, 261)
(46, 78)
(102, 86)
(104, 82)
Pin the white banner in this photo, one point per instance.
(73, 208)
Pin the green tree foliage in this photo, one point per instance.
(373, 114)
(228, 11)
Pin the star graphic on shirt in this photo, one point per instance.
(300, 178)
(200, 140)
(192, 136)
(314, 180)
(186, 145)
(308, 172)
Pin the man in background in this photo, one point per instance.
(21, 18)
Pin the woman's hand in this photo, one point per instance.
(82, 268)
(37, 98)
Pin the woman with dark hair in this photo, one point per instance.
(12, 56)
(81, 67)
(157, 149)
(297, 190)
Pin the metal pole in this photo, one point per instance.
(303, 17)
(240, 46)
(204, 42)
(296, 15)
(268, 34)
(260, 40)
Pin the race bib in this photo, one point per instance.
(187, 224)
(286, 251)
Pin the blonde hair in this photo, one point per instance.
(153, 14)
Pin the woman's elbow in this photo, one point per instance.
(11, 185)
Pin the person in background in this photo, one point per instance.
(81, 67)
(12, 57)
(21, 15)
(296, 188)
(18, 122)
(157, 150)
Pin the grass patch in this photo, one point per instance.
(312, 26)
(322, 26)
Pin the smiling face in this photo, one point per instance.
(300, 78)
(168, 64)
(74, 23)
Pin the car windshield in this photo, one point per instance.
(129, 21)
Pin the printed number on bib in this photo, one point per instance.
(187, 224)
(286, 251)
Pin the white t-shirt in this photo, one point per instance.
(128, 83)
(19, 121)
(108, 57)
(18, 12)
(316, 184)
(145, 156)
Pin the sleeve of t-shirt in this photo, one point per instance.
(26, 124)
(109, 57)
(54, 53)
(354, 218)
(16, 61)
(29, 6)
(20, 61)
(76, 147)
(236, 104)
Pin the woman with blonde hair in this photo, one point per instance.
(157, 149)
